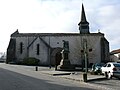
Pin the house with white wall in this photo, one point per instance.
(115, 55)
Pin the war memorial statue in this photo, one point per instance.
(65, 62)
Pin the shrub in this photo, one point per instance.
(30, 61)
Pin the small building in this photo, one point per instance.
(47, 47)
(115, 55)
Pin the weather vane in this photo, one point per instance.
(98, 30)
(82, 1)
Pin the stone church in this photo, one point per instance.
(47, 47)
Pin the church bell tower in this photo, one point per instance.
(83, 25)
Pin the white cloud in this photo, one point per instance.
(53, 16)
(109, 19)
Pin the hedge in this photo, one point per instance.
(30, 61)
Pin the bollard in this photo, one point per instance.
(85, 77)
(36, 68)
(55, 67)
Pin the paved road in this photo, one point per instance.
(16, 78)
(112, 84)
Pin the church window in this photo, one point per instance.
(21, 48)
(90, 50)
(38, 49)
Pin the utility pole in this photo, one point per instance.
(85, 55)
(85, 58)
(49, 54)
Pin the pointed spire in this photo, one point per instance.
(83, 16)
(83, 25)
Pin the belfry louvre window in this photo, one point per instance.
(21, 48)
(38, 49)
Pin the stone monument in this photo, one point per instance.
(65, 62)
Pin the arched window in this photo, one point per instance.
(38, 49)
(21, 48)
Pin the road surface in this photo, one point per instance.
(16, 78)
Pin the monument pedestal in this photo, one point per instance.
(66, 65)
(65, 62)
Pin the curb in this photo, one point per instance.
(73, 79)
(64, 75)
(81, 80)
(56, 74)
(97, 79)
(61, 74)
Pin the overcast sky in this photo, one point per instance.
(59, 16)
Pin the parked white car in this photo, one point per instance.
(111, 69)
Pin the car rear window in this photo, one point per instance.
(116, 65)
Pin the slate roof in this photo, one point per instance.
(83, 17)
(17, 34)
(115, 51)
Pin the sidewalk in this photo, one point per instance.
(72, 75)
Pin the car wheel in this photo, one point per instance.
(106, 75)
(109, 75)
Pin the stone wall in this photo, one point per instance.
(75, 46)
